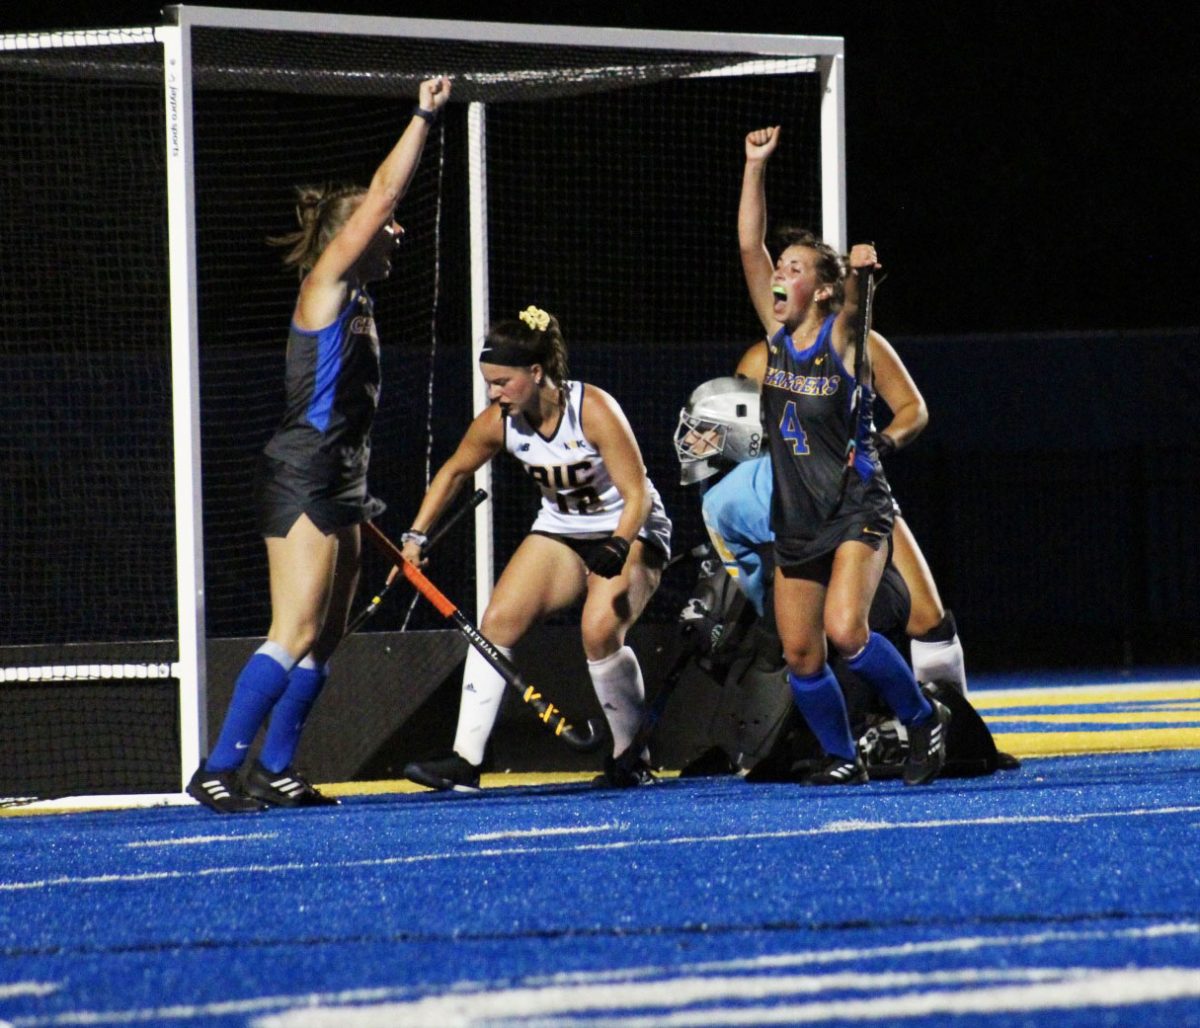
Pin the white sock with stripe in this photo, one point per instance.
(482, 691)
(617, 680)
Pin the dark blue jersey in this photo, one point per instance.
(807, 402)
(332, 386)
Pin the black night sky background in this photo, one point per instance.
(1021, 167)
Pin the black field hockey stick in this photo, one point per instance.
(861, 410)
(364, 615)
(584, 740)
(631, 756)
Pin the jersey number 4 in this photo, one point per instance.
(792, 431)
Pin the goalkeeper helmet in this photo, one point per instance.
(718, 428)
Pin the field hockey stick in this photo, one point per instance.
(862, 368)
(365, 614)
(583, 741)
(629, 758)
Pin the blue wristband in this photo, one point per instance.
(424, 115)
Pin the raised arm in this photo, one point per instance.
(862, 257)
(610, 432)
(752, 224)
(480, 444)
(896, 388)
(324, 289)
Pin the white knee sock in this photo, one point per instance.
(482, 691)
(617, 680)
(940, 662)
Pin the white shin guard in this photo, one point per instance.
(940, 662)
(482, 691)
(621, 691)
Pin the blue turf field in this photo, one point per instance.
(1061, 893)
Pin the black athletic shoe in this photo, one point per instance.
(283, 788)
(450, 773)
(927, 747)
(624, 775)
(839, 771)
(221, 791)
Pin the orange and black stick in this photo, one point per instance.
(584, 741)
(363, 615)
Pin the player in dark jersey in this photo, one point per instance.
(832, 525)
(313, 486)
(937, 653)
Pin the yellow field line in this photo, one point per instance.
(1058, 744)
(1064, 696)
(1097, 717)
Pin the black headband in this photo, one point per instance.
(508, 355)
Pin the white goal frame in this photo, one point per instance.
(823, 55)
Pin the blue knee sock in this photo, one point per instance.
(260, 684)
(287, 719)
(880, 665)
(820, 701)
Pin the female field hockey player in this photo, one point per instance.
(600, 533)
(937, 653)
(832, 524)
(313, 486)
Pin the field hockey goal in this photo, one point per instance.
(592, 172)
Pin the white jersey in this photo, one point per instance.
(579, 498)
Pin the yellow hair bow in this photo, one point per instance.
(535, 318)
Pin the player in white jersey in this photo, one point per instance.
(601, 534)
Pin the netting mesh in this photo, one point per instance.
(387, 67)
(87, 565)
(616, 212)
(612, 182)
(88, 526)
(612, 178)
(114, 735)
(251, 148)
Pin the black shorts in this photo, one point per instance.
(285, 492)
(812, 559)
(655, 558)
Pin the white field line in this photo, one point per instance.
(533, 832)
(755, 999)
(833, 827)
(332, 1008)
(198, 840)
(10, 989)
